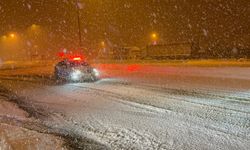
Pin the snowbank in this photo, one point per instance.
(14, 136)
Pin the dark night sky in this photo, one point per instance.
(131, 22)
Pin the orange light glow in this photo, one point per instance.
(12, 35)
(154, 35)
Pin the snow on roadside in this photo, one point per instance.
(12, 136)
(11, 110)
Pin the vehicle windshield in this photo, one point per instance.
(125, 74)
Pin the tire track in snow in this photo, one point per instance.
(132, 101)
(189, 96)
(243, 98)
(41, 115)
(123, 100)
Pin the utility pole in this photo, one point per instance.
(79, 23)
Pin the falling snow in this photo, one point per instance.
(162, 74)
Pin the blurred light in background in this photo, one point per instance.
(12, 35)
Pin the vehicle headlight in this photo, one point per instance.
(96, 72)
(76, 75)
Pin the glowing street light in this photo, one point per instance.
(33, 26)
(103, 44)
(154, 38)
(12, 35)
(103, 47)
(34, 31)
(4, 37)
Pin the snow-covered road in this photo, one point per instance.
(140, 107)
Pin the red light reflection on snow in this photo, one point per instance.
(133, 67)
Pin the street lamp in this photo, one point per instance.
(34, 31)
(33, 26)
(154, 38)
(103, 44)
(154, 35)
(12, 35)
(4, 37)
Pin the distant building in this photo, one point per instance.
(173, 50)
(126, 53)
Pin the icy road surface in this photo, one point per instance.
(140, 106)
